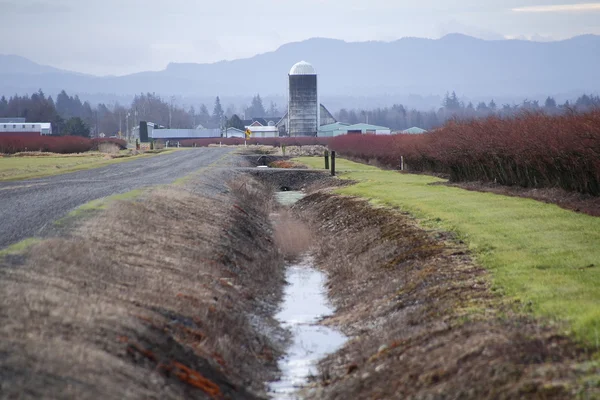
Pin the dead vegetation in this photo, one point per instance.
(423, 320)
(109, 148)
(169, 297)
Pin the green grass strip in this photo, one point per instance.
(19, 247)
(539, 253)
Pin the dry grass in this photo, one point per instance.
(423, 320)
(109, 148)
(150, 300)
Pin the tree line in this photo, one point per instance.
(71, 116)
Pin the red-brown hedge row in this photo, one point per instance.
(529, 150)
(11, 144)
(287, 141)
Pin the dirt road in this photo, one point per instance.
(28, 207)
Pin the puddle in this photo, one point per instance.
(289, 197)
(305, 303)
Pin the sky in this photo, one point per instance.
(117, 37)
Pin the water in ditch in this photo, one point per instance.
(304, 304)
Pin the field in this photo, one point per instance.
(546, 257)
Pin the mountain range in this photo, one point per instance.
(467, 65)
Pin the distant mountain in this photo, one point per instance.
(472, 67)
(11, 64)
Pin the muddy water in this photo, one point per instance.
(305, 304)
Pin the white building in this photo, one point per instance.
(260, 131)
(26, 128)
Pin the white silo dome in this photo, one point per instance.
(303, 68)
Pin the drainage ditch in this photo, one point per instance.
(304, 305)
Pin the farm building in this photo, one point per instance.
(18, 126)
(305, 114)
(259, 131)
(340, 128)
(235, 133)
(413, 131)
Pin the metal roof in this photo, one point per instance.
(414, 130)
(303, 68)
(363, 127)
(333, 127)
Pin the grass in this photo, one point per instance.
(18, 168)
(545, 256)
(19, 247)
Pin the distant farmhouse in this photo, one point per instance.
(18, 126)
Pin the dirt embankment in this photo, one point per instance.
(423, 320)
(168, 297)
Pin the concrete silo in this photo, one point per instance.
(303, 104)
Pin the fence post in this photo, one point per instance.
(401, 163)
(333, 163)
(326, 159)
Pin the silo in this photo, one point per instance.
(303, 103)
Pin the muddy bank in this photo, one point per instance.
(422, 318)
(172, 296)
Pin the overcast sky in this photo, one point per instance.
(123, 36)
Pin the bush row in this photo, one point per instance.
(529, 150)
(276, 142)
(11, 144)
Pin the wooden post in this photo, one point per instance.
(333, 163)
(401, 163)
(326, 159)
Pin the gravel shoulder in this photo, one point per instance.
(29, 207)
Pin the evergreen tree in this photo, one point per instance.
(256, 108)
(76, 127)
(203, 115)
(3, 107)
(550, 103)
(217, 115)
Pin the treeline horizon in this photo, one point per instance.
(70, 116)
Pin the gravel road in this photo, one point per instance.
(27, 207)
